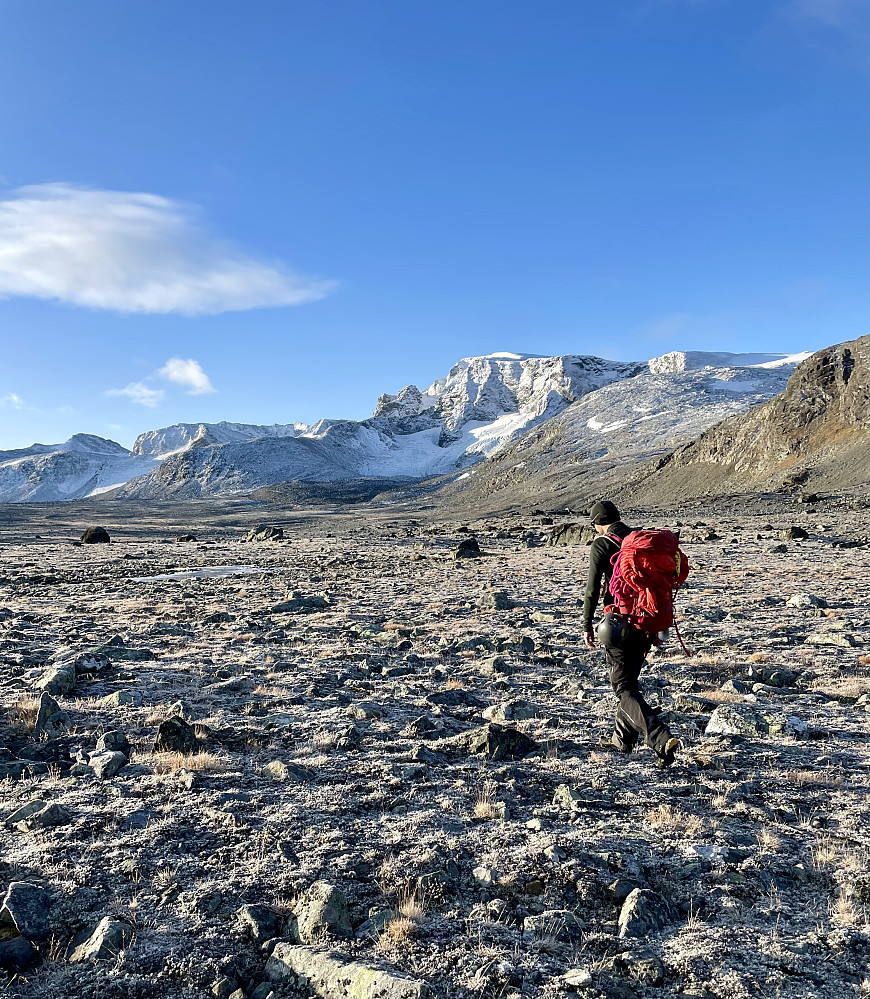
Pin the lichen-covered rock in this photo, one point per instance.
(644, 912)
(322, 913)
(26, 907)
(109, 938)
(175, 735)
(333, 975)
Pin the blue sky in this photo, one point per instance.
(277, 210)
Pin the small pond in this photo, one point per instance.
(207, 572)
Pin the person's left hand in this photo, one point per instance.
(589, 639)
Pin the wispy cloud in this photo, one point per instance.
(12, 401)
(188, 373)
(843, 14)
(132, 252)
(139, 393)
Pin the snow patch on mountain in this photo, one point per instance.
(85, 465)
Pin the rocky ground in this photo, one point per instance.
(368, 747)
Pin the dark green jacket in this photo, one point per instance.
(601, 569)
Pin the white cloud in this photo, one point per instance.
(139, 393)
(188, 373)
(132, 252)
(12, 400)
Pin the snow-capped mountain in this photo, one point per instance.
(481, 407)
(84, 465)
(160, 443)
(620, 425)
(482, 403)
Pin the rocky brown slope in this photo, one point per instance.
(370, 746)
(816, 433)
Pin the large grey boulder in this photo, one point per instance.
(756, 723)
(108, 939)
(58, 679)
(322, 913)
(572, 534)
(265, 534)
(26, 907)
(645, 912)
(45, 818)
(333, 975)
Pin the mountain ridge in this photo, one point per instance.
(481, 406)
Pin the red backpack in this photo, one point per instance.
(648, 570)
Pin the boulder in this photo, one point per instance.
(26, 907)
(645, 912)
(333, 975)
(260, 921)
(265, 534)
(322, 913)
(500, 743)
(105, 943)
(50, 718)
(106, 765)
(804, 601)
(16, 954)
(45, 818)
(498, 600)
(113, 741)
(793, 534)
(175, 735)
(756, 723)
(296, 601)
(58, 680)
(122, 698)
(96, 536)
(572, 534)
(467, 548)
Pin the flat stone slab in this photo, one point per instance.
(333, 975)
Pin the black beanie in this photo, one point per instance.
(604, 512)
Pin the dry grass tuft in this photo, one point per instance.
(668, 818)
(844, 686)
(399, 930)
(759, 657)
(22, 715)
(864, 660)
(769, 841)
(170, 763)
(847, 912)
(720, 696)
(815, 777)
(484, 806)
(824, 854)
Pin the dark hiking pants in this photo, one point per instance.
(635, 719)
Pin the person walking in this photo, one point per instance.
(625, 645)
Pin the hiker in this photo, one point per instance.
(625, 644)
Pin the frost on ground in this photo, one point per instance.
(377, 769)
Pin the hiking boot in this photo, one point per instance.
(668, 753)
(614, 742)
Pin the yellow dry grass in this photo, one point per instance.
(22, 715)
(668, 818)
(169, 763)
